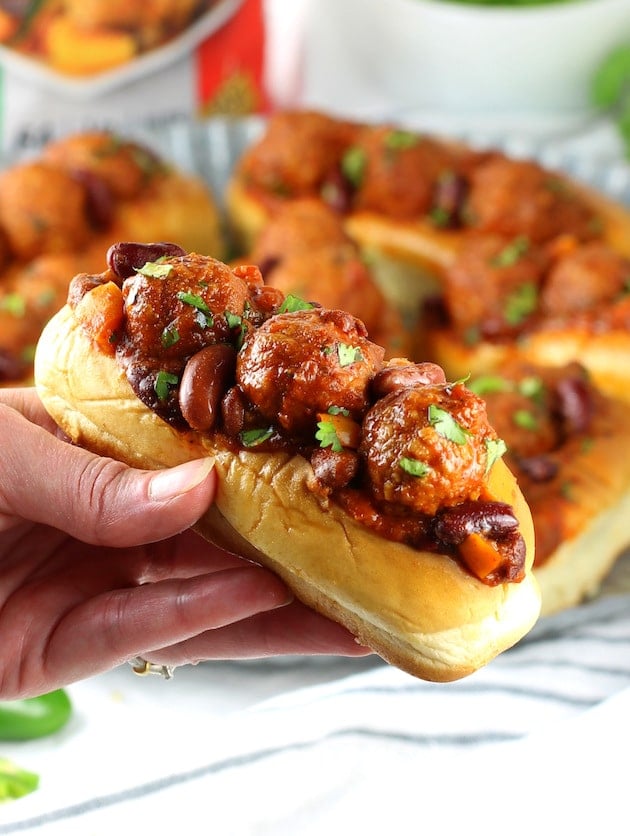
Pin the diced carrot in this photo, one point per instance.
(100, 312)
(481, 557)
(348, 431)
(562, 245)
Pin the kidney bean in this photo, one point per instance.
(337, 191)
(334, 470)
(491, 519)
(233, 408)
(449, 197)
(100, 201)
(539, 468)
(574, 403)
(126, 257)
(395, 378)
(205, 379)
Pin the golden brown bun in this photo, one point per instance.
(419, 611)
(605, 355)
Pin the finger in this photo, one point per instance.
(113, 628)
(26, 401)
(292, 630)
(95, 499)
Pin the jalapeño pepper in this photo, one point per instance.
(35, 716)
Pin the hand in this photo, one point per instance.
(98, 565)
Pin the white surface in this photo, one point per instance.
(384, 56)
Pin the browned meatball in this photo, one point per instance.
(591, 276)
(519, 197)
(297, 153)
(426, 448)
(42, 210)
(398, 171)
(176, 307)
(302, 225)
(492, 288)
(298, 364)
(123, 165)
(335, 277)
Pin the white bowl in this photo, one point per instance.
(418, 54)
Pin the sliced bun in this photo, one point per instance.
(420, 611)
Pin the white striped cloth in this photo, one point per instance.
(343, 746)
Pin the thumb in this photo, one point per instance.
(95, 499)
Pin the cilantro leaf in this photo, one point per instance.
(446, 426)
(495, 448)
(155, 269)
(294, 303)
(414, 467)
(162, 383)
(252, 438)
(348, 354)
(327, 436)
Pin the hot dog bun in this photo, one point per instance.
(419, 610)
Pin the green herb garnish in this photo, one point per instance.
(294, 303)
(348, 354)
(13, 303)
(163, 382)
(155, 269)
(204, 314)
(353, 165)
(525, 419)
(413, 467)
(512, 253)
(169, 336)
(521, 303)
(15, 782)
(327, 436)
(495, 448)
(446, 426)
(252, 438)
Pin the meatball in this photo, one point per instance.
(426, 448)
(178, 306)
(519, 197)
(492, 287)
(335, 277)
(298, 152)
(43, 209)
(300, 226)
(299, 364)
(591, 276)
(399, 171)
(122, 165)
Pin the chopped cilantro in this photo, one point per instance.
(252, 438)
(327, 436)
(348, 354)
(446, 426)
(338, 410)
(169, 336)
(155, 269)
(525, 419)
(204, 314)
(521, 303)
(353, 165)
(488, 383)
(13, 303)
(399, 140)
(495, 448)
(294, 303)
(413, 467)
(162, 383)
(511, 253)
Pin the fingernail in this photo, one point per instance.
(167, 484)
